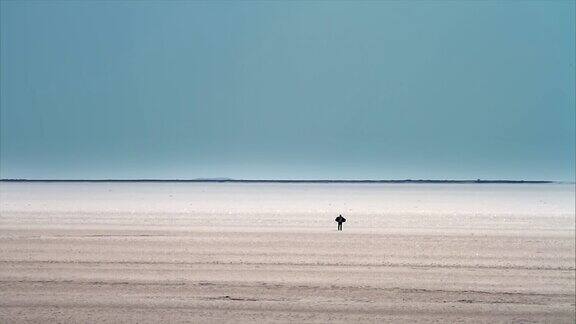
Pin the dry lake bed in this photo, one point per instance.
(230, 252)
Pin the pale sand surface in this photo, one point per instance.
(192, 252)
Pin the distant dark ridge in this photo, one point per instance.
(282, 181)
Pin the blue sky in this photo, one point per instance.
(287, 90)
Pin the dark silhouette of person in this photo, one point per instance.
(340, 220)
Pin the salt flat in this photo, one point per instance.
(210, 252)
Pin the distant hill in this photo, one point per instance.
(212, 179)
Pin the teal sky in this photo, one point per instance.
(291, 90)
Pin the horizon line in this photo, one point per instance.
(230, 180)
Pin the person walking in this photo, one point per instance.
(340, 220)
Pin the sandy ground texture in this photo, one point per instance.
(182, 252)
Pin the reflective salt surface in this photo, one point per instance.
(198, 252)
